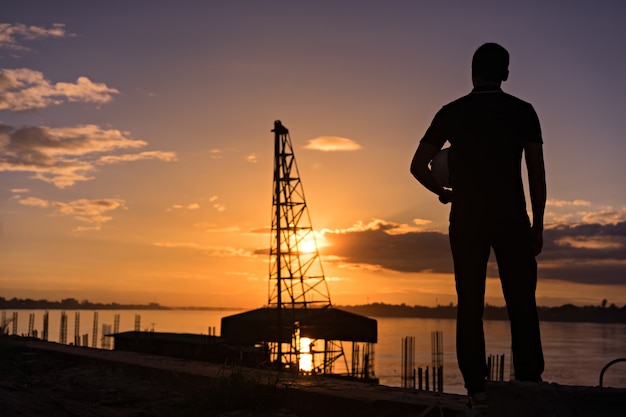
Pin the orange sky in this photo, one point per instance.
(136, 161)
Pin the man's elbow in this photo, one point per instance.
(413, 169)
(421, 160)
(417, 170)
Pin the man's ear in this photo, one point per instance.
(506, 76)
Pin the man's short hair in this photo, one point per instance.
(491, 62)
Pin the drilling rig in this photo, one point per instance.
(299, 327)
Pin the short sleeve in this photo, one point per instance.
(534, 128)
(437, 133)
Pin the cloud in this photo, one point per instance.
(582, 212)
(25, 89)
(215, 251)
(142, 156)
(390, 246)
(252, 158)
(36, 202)
(217, 206)
(565, 203)
(332, 144)
(216, 154)
(12, 34)
(605, 216)
(191, 206)
(582, 253)
(90, 212)
(63, 156)
(421, 222)
(215, 228)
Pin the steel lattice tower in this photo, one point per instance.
(296, 274)
(296, 277)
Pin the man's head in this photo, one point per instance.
(490, 64)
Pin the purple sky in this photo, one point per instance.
(136, 158)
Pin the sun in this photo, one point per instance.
(308, 245)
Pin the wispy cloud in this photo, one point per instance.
(13, 35)
(216, 251)
(142, 156)
(184, 207)
(582, 212)
(566, 203)
(26, 89)
(216, 154)
(216, 205)
(252, 158)
(66, 155)
(332, 144)
(86, 211)
(379, 224)
(421, 222)
(216, 228)
(607, 215)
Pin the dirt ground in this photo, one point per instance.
(35, 382)
(40, 379)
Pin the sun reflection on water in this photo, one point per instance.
(306, 357)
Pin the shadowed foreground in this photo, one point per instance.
(47, 379)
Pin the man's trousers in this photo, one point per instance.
(471, 242)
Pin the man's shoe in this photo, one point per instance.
(478, 402)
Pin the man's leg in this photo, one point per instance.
(518, 274)
(470, 252)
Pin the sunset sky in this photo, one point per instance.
(136, 154)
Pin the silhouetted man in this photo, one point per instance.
(488, 131)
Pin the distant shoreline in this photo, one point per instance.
(564, 313)
(73, 304)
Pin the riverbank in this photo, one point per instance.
(48, 379)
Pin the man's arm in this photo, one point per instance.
(537, 188)
(419, 168)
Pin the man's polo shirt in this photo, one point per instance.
(487, 130)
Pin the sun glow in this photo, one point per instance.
(308, 245)
(306, 357)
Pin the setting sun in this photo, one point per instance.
(308, 245)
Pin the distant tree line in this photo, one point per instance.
(72, 304)
(565, 313)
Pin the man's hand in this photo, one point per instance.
(446, 196)
(420, 170)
